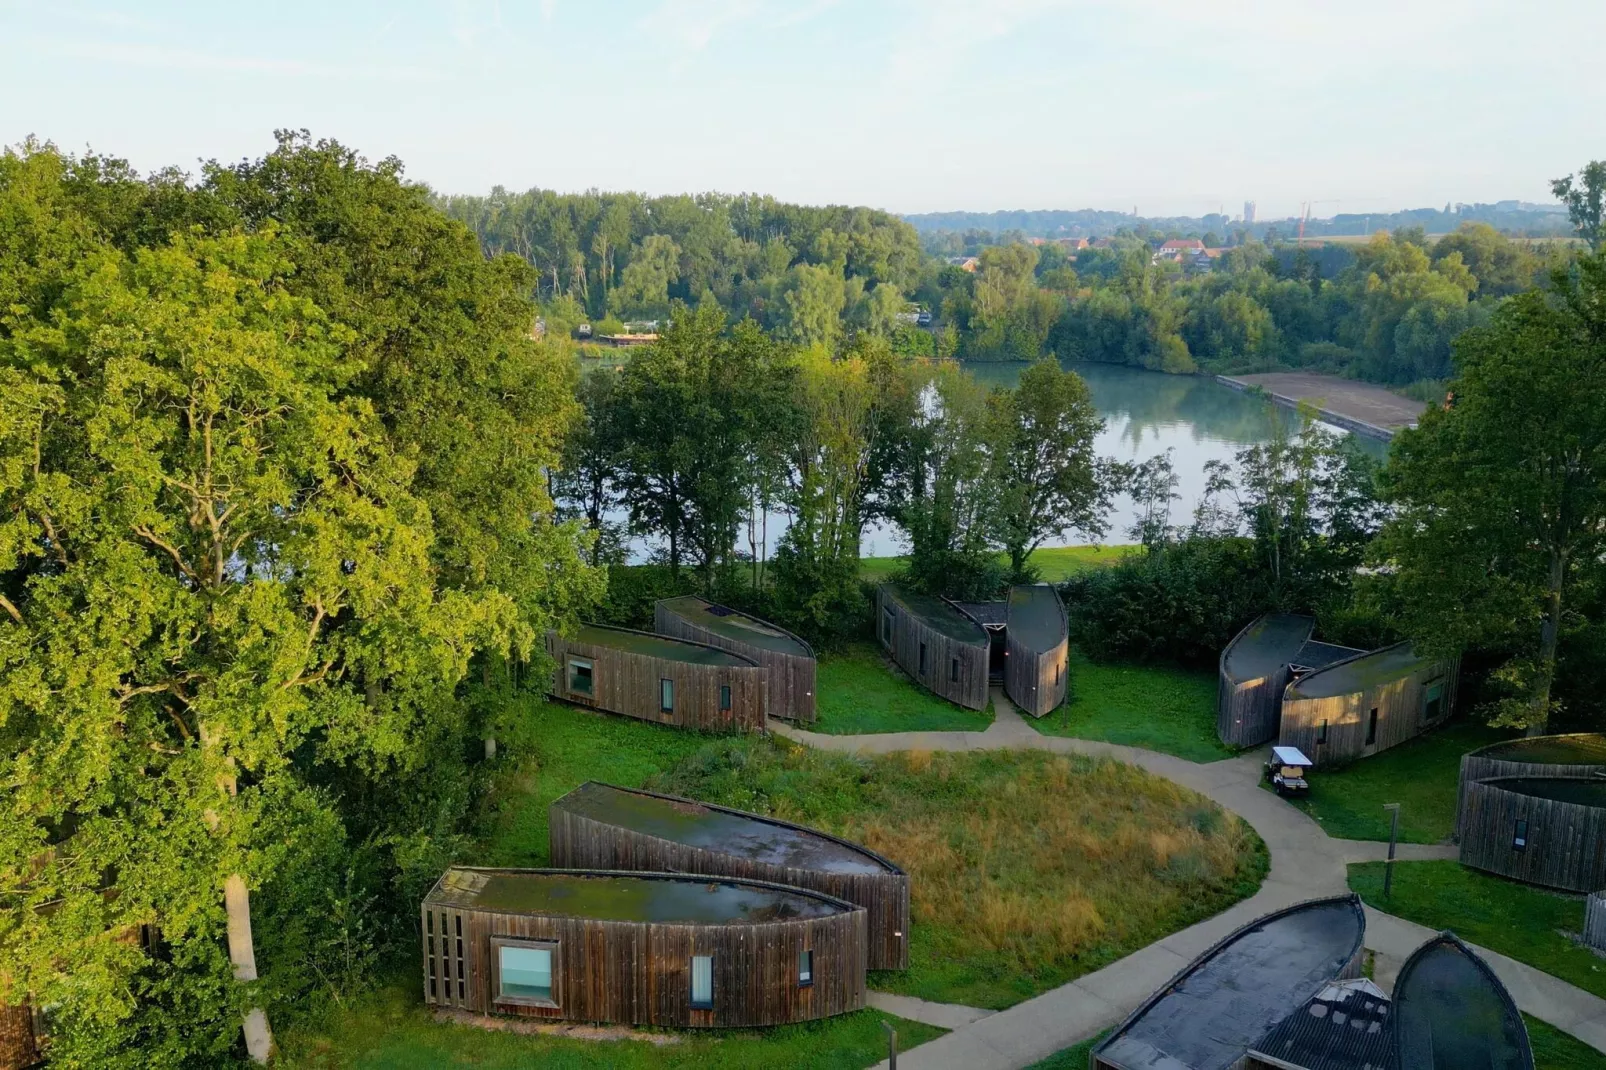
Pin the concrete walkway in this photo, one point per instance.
(1306, 863)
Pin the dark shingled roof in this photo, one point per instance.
(1452, 1013)
(1315, 655)
(1266, 646)
(1345, 1026)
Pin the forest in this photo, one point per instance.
(290, 489)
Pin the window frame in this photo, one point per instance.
(805, 968)
(693, 1001)
(666, 689)
(590, 665)
(1519, 835)
(1321, 732)
(888, 625)
(1429, 700)
(953, 670)
(725, 698)
(923, 659)
(1371, 726)
(520, 943)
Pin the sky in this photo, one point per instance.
(1168, 107)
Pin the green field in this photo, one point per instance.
(1054, 563)
(1420, 775)
(1155, 707)
(858, 690)
(1517, 920)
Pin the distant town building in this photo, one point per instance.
(1071, 244)
(1249, 211)
(1179, 250)
(966, 263)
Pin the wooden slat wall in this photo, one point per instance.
(628, 683)
(909, 631)
(791, 678)
(1566, 841)
(1247, 711)
(578, 842)
(19, 1048)
(1035, 680)
(639, 973)
(1475, 766)
(1595, 921)
(1399, 715)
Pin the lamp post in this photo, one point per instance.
(1394, 835)
(892, 1045)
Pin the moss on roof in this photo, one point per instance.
(1266, 646)
(1581, 791)
(622, 897)
(1036, 619)
(737, 626)
(939, 615)
(658, 646)
(746, 836)
(1587, 748)
(1360, 674)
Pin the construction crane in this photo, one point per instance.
(1304, 213)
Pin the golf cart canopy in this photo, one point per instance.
(1290, 756)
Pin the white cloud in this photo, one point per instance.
(692, 24)
(143, 55)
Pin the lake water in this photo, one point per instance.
(1145, 413)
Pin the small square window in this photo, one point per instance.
(702, 981)
(724, 696)
(581, 680)
(953, 671)
(1519, 838)
(666, 695)
(805, 968)
(525, 972)
(886, 627)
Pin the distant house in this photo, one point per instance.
(1036, 241)
(966, 263)
(1103, 243)
(1179, 250)
(622, 340)
(1071, 244)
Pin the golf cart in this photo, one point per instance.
(1286, 770)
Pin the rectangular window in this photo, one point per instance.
(805, 968)
(1519, 839)
(953, 671)
(922, 659)
(524, 972)
(886, 627)
(702, 981)
(581, 681)
(724, 696)
(1371, 727)
(1433, 702)
(1321, 731)
(666, 695)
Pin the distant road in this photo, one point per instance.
(1364, 408)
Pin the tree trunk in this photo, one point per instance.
(1549, 640)
(242, 954)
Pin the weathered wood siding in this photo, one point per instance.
(628, 682)
(19, 1046)
(791, 676)
(1475, 766)
(579, 842)
(1595, 921)
(639, 973)
(1035, 680)
(1400, 709)
(1247, 710)
(1566, 846)
(946, 657)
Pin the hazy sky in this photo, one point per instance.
(1169, 106)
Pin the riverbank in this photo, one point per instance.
(1363, 408)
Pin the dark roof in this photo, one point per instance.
(1359, 673)
(735, 625)
(1315, 655)
(1210, 1014)
(1345, 1026)
(659, 646)
(1452, 1013)
(1266, 645)
(1578, 790)
(718, 828)
(935, 613)
(987, 614)
(612, 896)
(1580, 748)
(1036, 618)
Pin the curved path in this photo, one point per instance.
(1306, 863)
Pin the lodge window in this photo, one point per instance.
(805, 968)
(922, 659)
(666, 695)
(429, 944)
(1371, 727)
(581, 680)
(1321, 731)
(886, 627)
(953, 671)
(526, 972)
(724, 696)
(1433, 702)
(702, 981)
(1519, 838)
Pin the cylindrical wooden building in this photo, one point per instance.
(598, 826)
(1576, 754)
(944, 650)
(639, 948)
(1366, 703)
(1036, 649)
(655, 678)
(19, 1041)
(1254, 670)
(788, 660)
(1595, 921)
(1543, 830)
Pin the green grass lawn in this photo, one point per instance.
(858, 690)
(1071, 1058)
(391, 1030)
(1420, 774)
(1154, 707)
(1054, 563)
(1522, 922)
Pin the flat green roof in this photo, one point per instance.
(693, 900)
(1035, 617)
(1581, 791)
(748, 836)
(658, 646)
(735, 625)
(1360, 674)
(940, 615)
(1588, 748)
(1267, 645)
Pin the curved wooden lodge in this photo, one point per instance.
(1543, 830)
(944, 650)
(1576, 754)
(639, 948)
(655, 678)
(1037, 646)
(1254, 670)
(1366, 703)
(788, 659)
(1452, 1013)
(601, 826)
(1211, 1014)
